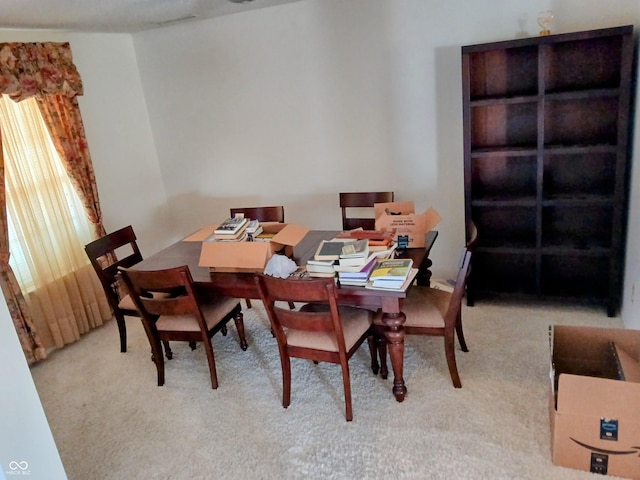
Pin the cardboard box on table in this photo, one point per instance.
(594, 414)
(249, 256)
(409, 228)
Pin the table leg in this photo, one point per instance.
(423, 278)
(395, 345)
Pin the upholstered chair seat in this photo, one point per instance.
(355, 322)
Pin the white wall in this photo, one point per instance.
(26, 444)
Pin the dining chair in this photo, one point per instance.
(361, 200)
(433, 312)
(116, 249)
(472, 240)
(320, 330)
(181, 315)
(262, 214)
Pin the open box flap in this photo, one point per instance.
(629, 365)
(290, 235)
(201, 235)
(228, 255)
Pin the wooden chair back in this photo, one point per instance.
(361, 200)
(472, 235)
(472, 241)
(176, 282)
(107, 254)
(455, 304)
(262, 214)
(317, 290)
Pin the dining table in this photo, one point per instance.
(243, 285)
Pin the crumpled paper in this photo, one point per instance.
(280, 266)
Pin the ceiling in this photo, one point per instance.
(117, 16)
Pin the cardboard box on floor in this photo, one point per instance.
(595, 425)
(250, 256)
(410, 228)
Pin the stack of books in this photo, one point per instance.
(354, 254)
(378, 239)
(321, 268)
(253, 229)
(359, 275)
(232, 229)
(392, 274)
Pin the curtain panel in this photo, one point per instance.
(45, 71)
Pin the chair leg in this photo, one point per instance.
(381, 343)
(158, 359)
(373, 350)
(450, 352)
(346, 381)
(463, 344)
(192, 345)
(292, 306)
(238, 319)
(248, 302)
(167, 350)
(122, 330)
(208, 348)
(286, 379)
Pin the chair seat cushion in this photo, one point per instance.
(355, 322)
(214, 311)
(127, 303)
(423, 307)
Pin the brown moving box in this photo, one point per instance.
(249, 256)
(595, 398)
(409, 228)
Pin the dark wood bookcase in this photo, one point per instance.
(546, 154)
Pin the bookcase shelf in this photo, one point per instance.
(546, 128)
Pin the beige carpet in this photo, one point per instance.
(111, 421)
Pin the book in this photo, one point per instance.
(254, 228)
(240, 237)
(231, 226)
(352, 282)
(264, 236)
(252, 235)
(241, 234)
(329, 250)
(320, 274)
(320, 267)
(391, 272)
(375, 237)
(395, 286)
(357, 249)
(362, 272)
(313, 261)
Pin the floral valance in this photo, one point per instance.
(38, 69)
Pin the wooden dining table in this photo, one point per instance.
(243, 285)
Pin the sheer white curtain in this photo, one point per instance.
(47, 230)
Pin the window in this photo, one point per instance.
(47, 225)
